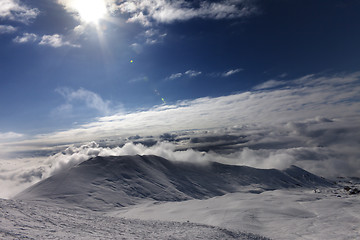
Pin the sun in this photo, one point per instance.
(90, 11)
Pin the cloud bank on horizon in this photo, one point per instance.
(313, 96)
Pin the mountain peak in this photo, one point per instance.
(124, 180)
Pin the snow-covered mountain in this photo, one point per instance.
(107, 182)
(143, 197)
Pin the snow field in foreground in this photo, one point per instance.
(34, 220)
(149, 197)
(281, 214)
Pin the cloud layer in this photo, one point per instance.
(333, 97)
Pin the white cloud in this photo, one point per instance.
(139, 79)
(26, 37)
(74, 155)
(136, 47)
(79, 29)
(283, 75)
(55, 41)
(65, 108)
(16, 174)
(10, 136)
(188, 73)
(153, 36)
(269, 84)
(91, 100)
(192, 73)
(322, 97)
(231, 72)
(175, 76)
(7, 29)
(151, 32)
(22, 174)
(14, 10)
(164, 11)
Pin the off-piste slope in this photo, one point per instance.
(32, 220)
(106, 182)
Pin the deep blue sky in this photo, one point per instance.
(50, 83)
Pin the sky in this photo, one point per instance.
(274, 81)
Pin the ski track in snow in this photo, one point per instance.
(39, 220)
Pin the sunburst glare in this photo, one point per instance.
(90, 11)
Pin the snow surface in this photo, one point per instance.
(149, 197)
(279, 214)
(31, 220)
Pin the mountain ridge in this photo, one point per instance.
(103, 183)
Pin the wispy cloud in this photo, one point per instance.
(154, 36)
(141, 78)
(56, 41)
(89, 98)
(150, 36)
(174, 76)
(79, 30)
(231, 72)
(14, 10)
(188, 73)
(283, 75)
(192, 73)
(10, 136)
(269, 84)
(26, 37)
(7, 29)
(164, 11)
(138, 48)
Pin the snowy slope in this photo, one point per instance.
(149, 197)
(107, 182)
(30, 220)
